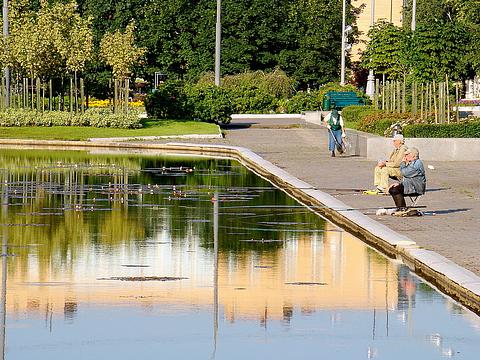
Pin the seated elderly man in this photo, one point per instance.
(391, 167)
(414, 180)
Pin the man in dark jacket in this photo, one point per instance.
(413, 182)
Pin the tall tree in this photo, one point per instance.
(386, 50)
(300, 36)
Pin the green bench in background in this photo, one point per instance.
(341, 99)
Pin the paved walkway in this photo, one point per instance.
(452, 214)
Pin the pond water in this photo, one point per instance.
(120, 256)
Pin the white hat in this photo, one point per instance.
(398, 137)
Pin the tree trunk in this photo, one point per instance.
(76, 92)
(50, 95)
(457, 95)
(448, 99)
(115, 96)
(421, 102)
(127, 87)
(70, 100)
(434, 88)
(82, 95)
(32, 95)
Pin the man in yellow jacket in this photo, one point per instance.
(390, 167)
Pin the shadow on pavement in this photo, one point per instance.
(447, 211)
(438, 189)
(236, 126)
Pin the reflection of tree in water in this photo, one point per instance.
(72, 201)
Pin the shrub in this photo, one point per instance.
(210, 103)
(276, 83)
(105, 118)
(304, 101)
(92, 117)
(255, 91)
(169, 101)
(355, 113)
(469, 129)
(253, 101)
(380, 122)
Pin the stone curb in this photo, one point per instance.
(448, 277)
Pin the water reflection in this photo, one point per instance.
(250, 272)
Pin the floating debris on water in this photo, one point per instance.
(144, 278)
(305, 283)
(283, 223)
(261, 241)
(24, 224)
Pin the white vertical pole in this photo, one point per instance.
(342, 69)
(218, 41)
(6, 70)
(414, 15)
(370, 90)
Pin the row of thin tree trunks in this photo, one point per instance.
(35, 94)
(433, 99)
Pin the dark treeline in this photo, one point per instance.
(300, 37)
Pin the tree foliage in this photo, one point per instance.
(446, 41)
(47, 40)
(300, 37)
(437, 49)
(386, 50)
(119, 51)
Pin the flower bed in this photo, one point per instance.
(96, 103)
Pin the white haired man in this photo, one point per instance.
(391, 167)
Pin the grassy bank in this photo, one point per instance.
(150, 128)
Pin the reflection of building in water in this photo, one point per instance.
(311, 273)
(406, 290)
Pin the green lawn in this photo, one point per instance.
(150, 128)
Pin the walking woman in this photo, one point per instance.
(336, 130)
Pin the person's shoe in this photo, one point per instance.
(333, 153)
(380, 189)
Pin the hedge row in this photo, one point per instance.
(206, 102)
(356, 113)
(381, 123)
(470, 129)
(92, 117)
(175, 100)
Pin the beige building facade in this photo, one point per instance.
(390, 10)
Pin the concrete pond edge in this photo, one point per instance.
(450, 278)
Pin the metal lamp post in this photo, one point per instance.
(370, 90)
(6, 70)
(414, 15)
(342, 65)
(218, 41)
